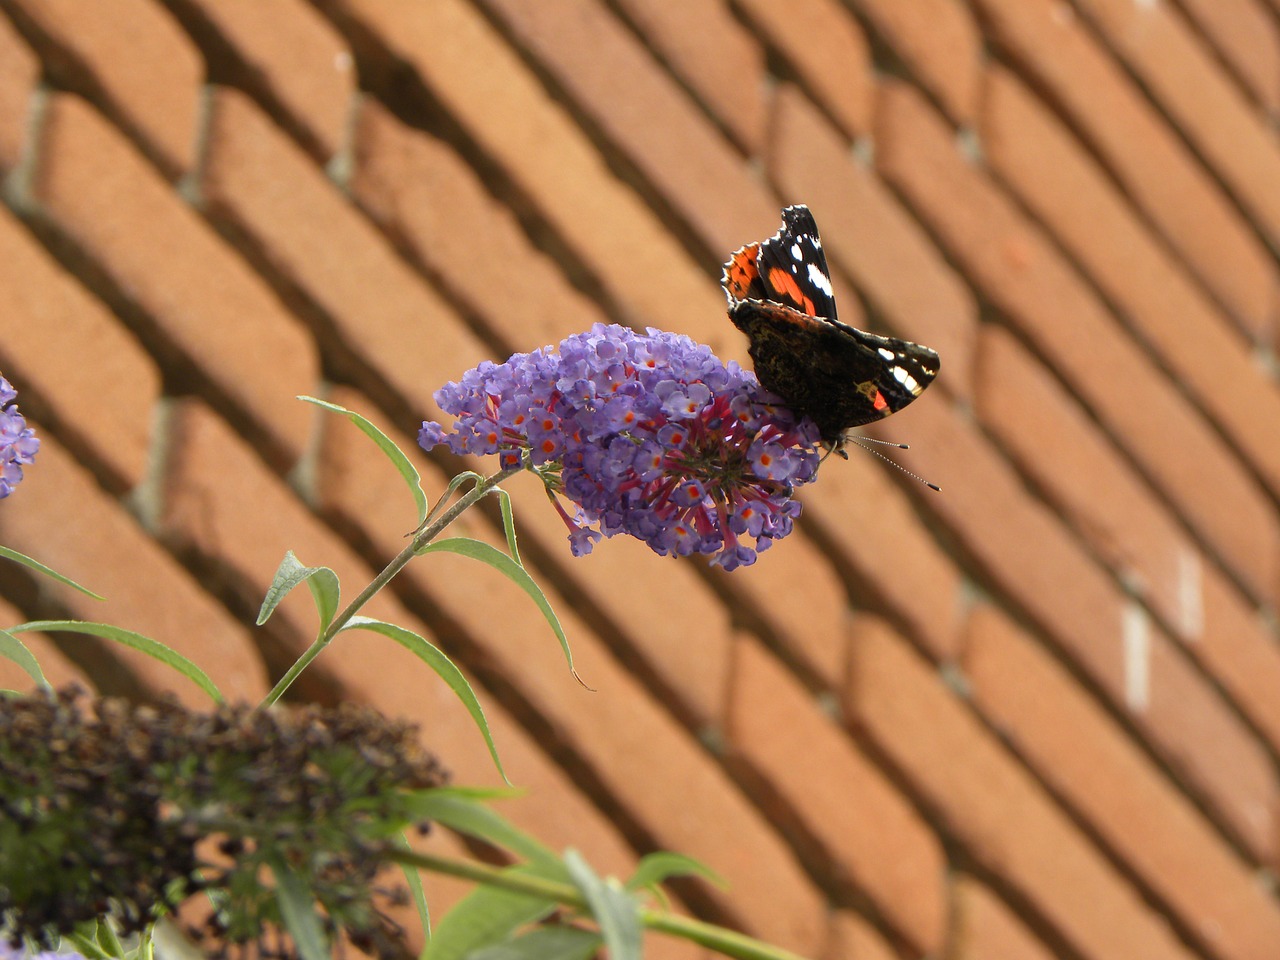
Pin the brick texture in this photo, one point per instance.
(146, 77)
(1046, 299)
(1089, 762)
(828, 52)
(1173, 316)
(19, 71)
(718, 59)
(1247, 40)
(1031, 715)
(290, 56)
(1189, 211)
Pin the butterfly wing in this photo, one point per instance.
(793, 267)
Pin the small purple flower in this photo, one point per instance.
(648, 434)
(18, 442)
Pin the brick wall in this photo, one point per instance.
(1036, 715)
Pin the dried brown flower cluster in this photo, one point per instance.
(103, 804)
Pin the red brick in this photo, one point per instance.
(245, 526)
(1086, 479)
(795, 593)
(203, 307)
(373, 304)
(823, 44)
(853, 938)
(939, 43)
(1065, 189)
(1090, 763)
(498, 101)
(418, 190)
(1183, 203)
(1186, 83)
(369, 493)
(287, 54)
(1096, 492)
(626, 95)
(1014, 264)
(985, 929)
(712, 55)
(55, 666)
(132, 59)
(19, 72)
(866, 232)
(89, 376)
(1247, 39)
(622, 733)
(1240, 649)
(1028, 553)
(106, 551)
(864, 832)
(867, 524)
(993, 808)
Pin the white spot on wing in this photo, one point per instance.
(886, 353)
(819, 279)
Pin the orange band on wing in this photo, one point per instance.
(786, 285)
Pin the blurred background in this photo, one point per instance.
(1035, 715)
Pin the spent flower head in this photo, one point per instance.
(106, 808)
(18, 442)
(646, 434)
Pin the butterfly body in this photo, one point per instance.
(780, 296)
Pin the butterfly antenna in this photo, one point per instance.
(887, 443)
(858, 441)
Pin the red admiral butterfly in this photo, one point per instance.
(840, 377)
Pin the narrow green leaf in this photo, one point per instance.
(616, 911)
(291, 572)
(544, 943)
(508, 523)
(386, 445)
(485, 917)
(656, 868)
(467, 816)
(39, 567)
(513, 571)
(152, 648)
(435, 658)
(419, 895)
(14, 649)
(298, 911)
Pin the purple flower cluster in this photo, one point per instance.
(650, 435)
(18, 442)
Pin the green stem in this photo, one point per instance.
(431, 528)
(722, 940)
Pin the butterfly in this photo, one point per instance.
(838, 376)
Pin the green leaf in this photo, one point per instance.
(485, 917)
(414, 880)
(655, 868)
(616, 911)
(508, 522)
(386, 445)
(152, 648)
(14, 649)
(39, 567)
(515, 572)
(291, 572)
(298, 911)
(464, 814)
(435, 658)
(544, 943)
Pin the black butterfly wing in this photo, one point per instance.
(793, 267)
